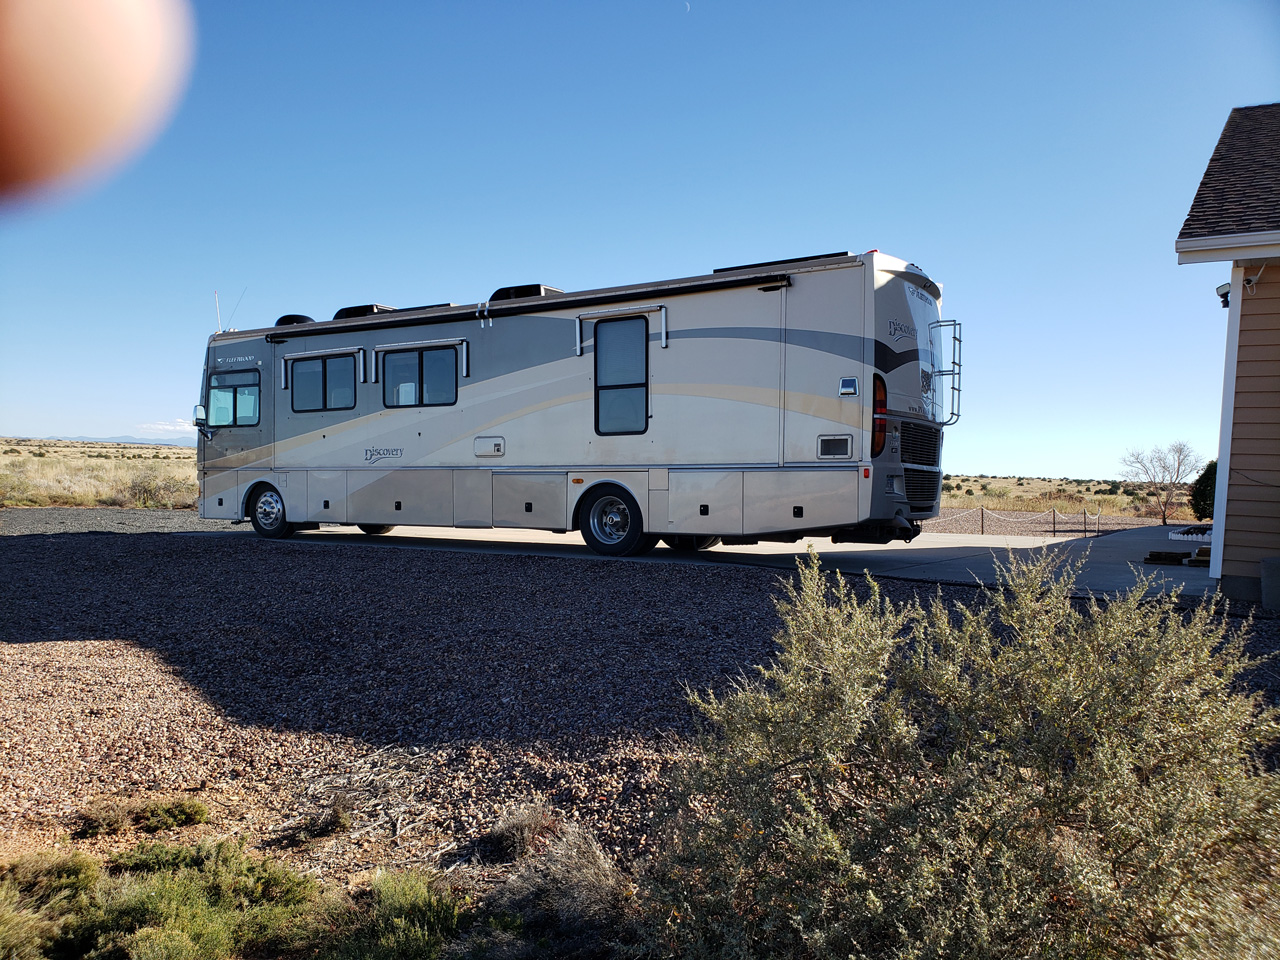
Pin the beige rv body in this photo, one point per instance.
(757, 392)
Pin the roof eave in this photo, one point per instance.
(1232, 246)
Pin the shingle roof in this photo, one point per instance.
(1240, 189)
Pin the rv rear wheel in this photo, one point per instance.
(267, 515)
(612, 524)
(690, 544)
(374, 529)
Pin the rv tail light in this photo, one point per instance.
(878, 423)
(866, 473)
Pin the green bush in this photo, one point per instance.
(173, 812)
(108, 817)
(1026, 776)
(410, 915)
(209, 902)
(1204, 490)
(25, 931)
(37, 894)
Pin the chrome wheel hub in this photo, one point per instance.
(270, 510)
(610, 520)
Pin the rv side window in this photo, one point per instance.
(323, 383)
(233, 399)
(622, 373)
(420, 378)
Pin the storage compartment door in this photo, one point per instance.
(705, 501)
(410, 496)
(326, 496)
(529, 500)
(777, 500)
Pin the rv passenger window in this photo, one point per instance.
(622, 393)
(324, 383)
(420, 378)
(233, 399)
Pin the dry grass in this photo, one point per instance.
(520, 830)
(1114, 498)
(55, 473)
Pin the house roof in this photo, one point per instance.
(1240, 190)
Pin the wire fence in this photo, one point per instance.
(1053, 523)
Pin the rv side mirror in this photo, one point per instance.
(198, 415)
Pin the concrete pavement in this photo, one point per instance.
(1109, 560)
(1112, 562)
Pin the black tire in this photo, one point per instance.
(690, 543)
(266, 512)
(374, 529)
(612, 524)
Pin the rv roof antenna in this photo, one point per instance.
(236, 307)
(217, 307)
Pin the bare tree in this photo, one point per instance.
(1165, 470)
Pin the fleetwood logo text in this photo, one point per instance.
(374, 454)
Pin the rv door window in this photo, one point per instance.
(324, 383)
(622, 373)
(233, 399)
(420, 378)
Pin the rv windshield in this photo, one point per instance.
(925, 315)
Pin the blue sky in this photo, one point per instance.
(1037, 159)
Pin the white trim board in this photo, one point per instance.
(1223, 481)
(1235, 246)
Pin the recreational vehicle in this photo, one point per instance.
(772, 401)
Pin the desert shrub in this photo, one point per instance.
(947, 487)
(25, 931)
(104, 818)
(38, 893)
(568, 901)
(515, 835)
(171, 812)
(107, 817)
(212, 900)
(13, 450)
(144, 489)
(1025, 776)
(969, 492)
(333, 817)
(49, 876)
(1204, 490)
(409, 915)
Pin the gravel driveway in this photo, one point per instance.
(433, 689)
(268, 676)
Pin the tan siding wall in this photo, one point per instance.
(1252, 523)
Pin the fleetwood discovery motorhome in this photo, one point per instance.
(765, 402)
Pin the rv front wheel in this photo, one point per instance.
(613, 525)
(267, 515)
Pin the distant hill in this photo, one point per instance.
(172, 442)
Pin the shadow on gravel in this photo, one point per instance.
(400, 646)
